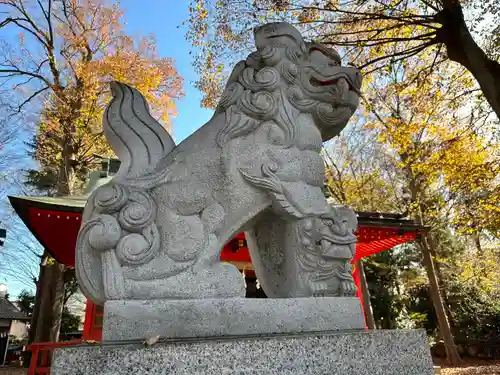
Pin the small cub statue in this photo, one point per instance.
(157, 229)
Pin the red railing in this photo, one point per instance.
(92, 326)
(41, 354)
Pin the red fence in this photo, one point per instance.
(41, 353)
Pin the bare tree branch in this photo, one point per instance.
(31, 97)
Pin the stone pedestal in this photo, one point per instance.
(172, 319)
(394, 352)
(245, 336)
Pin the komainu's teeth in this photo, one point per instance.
(325, 245)
(343, 87)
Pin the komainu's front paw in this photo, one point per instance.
(319, 289)
(348, 288)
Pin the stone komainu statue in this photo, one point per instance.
(157, 229)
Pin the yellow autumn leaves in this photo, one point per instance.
(91, 49)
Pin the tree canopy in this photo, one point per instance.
(371, 34)
(58, 61)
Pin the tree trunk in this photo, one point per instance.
(49, 301)
(434, 291)
(66, 172)
(463, 49)
(36, 307)
(51, 296)
(50, 292)
(443, 323)
(439, 275)
(476, 237)
(36, 312)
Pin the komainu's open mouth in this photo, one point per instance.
(335, 251)
(317, 82)
(343, 83)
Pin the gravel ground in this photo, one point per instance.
(471, 368)
(475, 370)
(12, 371)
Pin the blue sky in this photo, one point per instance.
(162, 18)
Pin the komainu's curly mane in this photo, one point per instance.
(274, 84)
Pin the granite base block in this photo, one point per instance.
(394, 352)
(134, 319)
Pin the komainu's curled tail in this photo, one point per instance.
(118, 224)
(138, 140)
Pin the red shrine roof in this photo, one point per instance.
(55, 223)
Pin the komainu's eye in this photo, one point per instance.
(269, 29)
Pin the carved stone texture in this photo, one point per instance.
(309, 257)
(157, 229)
